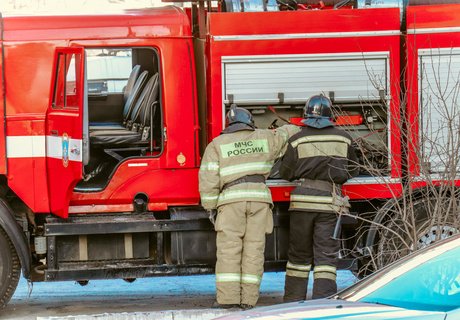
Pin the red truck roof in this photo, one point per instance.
(134, 23)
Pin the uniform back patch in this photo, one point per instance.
(247, 147)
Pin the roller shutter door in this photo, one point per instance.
(259, 80)
(440, 110)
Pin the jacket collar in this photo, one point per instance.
(318, 122)
(237, 127)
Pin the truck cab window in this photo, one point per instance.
(65, 90)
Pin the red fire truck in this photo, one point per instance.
(98, 169)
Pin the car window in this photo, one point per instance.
(432, 286)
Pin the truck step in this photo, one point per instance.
(122, 269)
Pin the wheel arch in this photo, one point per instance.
(17, 237)
(382, 213)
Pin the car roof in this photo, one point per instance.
(399, 267)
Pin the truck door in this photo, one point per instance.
(64, 128)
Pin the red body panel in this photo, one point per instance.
(172, 187)
(28, 71)
(2, 113)
(354, 191)
(311, 22)
(27, 175)
(429, 27)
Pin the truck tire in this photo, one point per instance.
(10, 269)
(399, 237)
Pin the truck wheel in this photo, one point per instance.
(404, 233)
(10, 269)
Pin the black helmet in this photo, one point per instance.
(239, 115)
(318, 106)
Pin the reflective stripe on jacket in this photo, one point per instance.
(323, 154)
(234, 155)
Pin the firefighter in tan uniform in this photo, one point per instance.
(232, 180)
(321, 158)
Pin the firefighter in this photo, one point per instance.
(321, 158)
(232, 178)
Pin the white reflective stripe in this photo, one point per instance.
(322, 149)
(250, 278)
(42, 146)
(228, 277)
(210, 166)
(325, 272)
(306, 35)
(314, 206)
(235, 194)
(315, 199)
(376, 180)
(143, 164)
(25, 146)
(54, 148)
(325, 275)
(297, 274)
(433, 30)
(300, 267)
(209, 197)
(320, 138)
(325, 269)
(250, 166)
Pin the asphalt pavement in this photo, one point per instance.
(187, 297)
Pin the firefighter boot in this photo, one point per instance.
(245, 307)
(324, 285)
(323, 288)
(217, 305)
(295, 289)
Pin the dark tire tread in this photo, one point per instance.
(15, 274)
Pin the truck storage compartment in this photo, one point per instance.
(439, 102)
(276, 88)
(291, 79)
(98, 247)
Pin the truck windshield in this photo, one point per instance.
(432, 286)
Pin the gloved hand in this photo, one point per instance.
(212, 216)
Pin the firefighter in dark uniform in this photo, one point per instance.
(321, 157)
(232, 178)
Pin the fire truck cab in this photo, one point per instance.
(105, 118)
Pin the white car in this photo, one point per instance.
(421, 286)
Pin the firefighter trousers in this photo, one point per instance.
(311, 247)
(241, 229)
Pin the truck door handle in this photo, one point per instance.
(75, 151)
